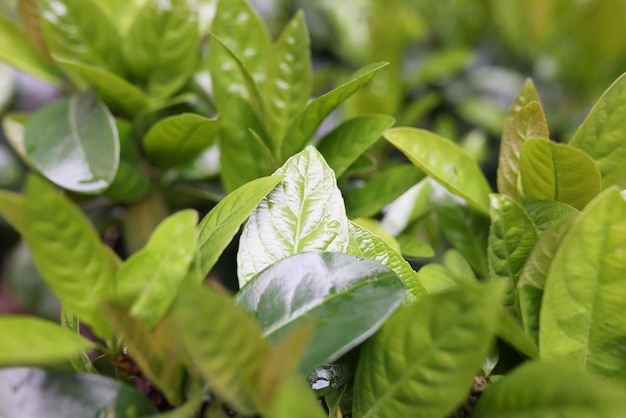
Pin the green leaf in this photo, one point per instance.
(550, 171)
(528, 122)
(364, 243)
(79, 30)
(161, 46)
(512, 236)
(413, 247)
(152, 276)
(545, 212)
(526, 95)
(68, 253)
(229, 350)
(343, 146)
(383, 188)
(510, 330)
(601, 133)
(585, 292)
(29, 341)
(376, 228)
(35, 393)
(358, 294)
(287, 84)
(304, 212)
(80, 361)
(426, 370)
(16, 50)
(74, 143)
(305, 124)
(178, 139)
(220, 225)
(294, 399)
(12, 208)
(444, 161)
(548, 390)
(408, 208)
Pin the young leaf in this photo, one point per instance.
(74, 142)
(305, 124)
(545, 212)
(12, 208)
(426, 370)
(359, 295)
(444, 161)
(528, 122)
(304, 212)
(229, 350)
(585, 292)
(177, 139)
(68, 253)
(549, 390)
(30, 341)
(558, 172)
(161, 46)
(600, 135)
(221, 224)
(343, 146)
(152, 276)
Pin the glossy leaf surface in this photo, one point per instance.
(74, 142)
(358, 294)
(304, 212)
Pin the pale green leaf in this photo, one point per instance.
(294, 398)
(12, 208)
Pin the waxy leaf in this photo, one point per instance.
(343, 146)
(74, 143)
(359, 294)
(528, 122)
(305, 124)
(220, 225)
(287, 85)
(68, 253)
(161, 46)
(229, 349)
(304, 212)
(547, 390)
(30, 341)
(422, 361)
(177, 139)
(35, 393)
(602, 132)
(550, 171)
(12, 208)
(444, 161)
(152, 276)
(585, 291)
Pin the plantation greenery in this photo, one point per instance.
(374, 277)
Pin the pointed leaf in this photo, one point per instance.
(558, 172)
(526, 95)
(304, 212)
(426, 370)
(602, 132)
(12, 208)
(444, 161)
(585, 293)
(221, 224)
(358, 294)
(74, 142)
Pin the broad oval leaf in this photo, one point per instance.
(444, 161)
(550, 171)
(74, 142)
(585, 293)
(358, 294)
(35, 393)
(601, 134)
(548, 390)
(31, 341)
(422, 361)
(305, 212)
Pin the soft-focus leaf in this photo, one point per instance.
(550, 171)
(359, 294)
(548, 390)
(511, 331)
(30, 341)
(585, 292)
(74, 143)
(12, 208)
(545, 212)
(28, 12)
(444, 161)
(413, 247)
(409, 207)
(294, 398)
(304, 212)
(427, 370)
(80, 361)
(602, 132)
